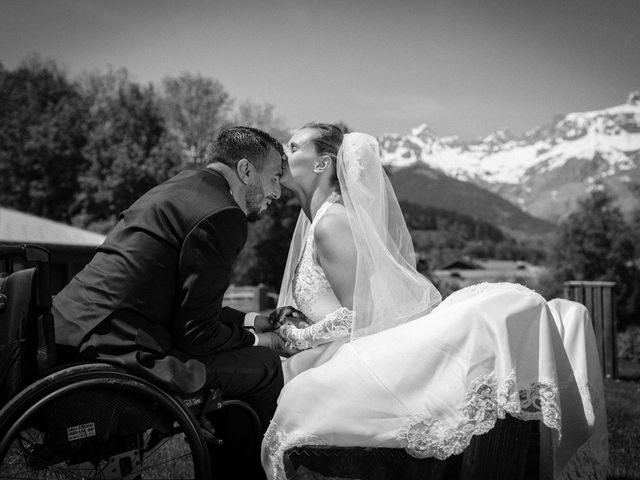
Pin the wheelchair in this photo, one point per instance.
(87, 420)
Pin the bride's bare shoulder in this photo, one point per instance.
(333, 222)
(333, 230)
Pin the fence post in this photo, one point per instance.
(599, 300)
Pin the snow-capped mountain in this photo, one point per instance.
(546, 169)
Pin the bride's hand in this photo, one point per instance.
(288, 314)
(286, 333)
(284, 329)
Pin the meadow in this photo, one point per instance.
(623, 419)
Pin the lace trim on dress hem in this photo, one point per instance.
(485, 402)
(425, 436)
(277, 442)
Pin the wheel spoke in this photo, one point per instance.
(115, 404)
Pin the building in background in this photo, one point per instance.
(71, 248)
(248, 298)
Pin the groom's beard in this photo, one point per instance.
(254, 199)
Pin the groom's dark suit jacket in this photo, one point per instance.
(151, 298)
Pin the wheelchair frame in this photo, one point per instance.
(130, 415)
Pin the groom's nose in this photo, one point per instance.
(276, 192)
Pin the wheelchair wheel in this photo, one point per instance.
(95, 421)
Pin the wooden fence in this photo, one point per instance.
(250, 298)
(599, 300)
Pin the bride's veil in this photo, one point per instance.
(388, 290)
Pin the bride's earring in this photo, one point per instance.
(322, 166)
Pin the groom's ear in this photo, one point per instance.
(245, 170)
(322, 163)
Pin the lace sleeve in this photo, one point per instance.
(335, 325)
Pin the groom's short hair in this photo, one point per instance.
(236, 143)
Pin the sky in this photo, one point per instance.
(465, 68)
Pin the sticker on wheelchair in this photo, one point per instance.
(78, 432)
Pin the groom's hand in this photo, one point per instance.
(290, 314)
(273, 342)
(262, 324)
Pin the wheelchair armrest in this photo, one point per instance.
(31, 253)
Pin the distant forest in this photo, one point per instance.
(442, 235)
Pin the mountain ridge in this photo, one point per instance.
(545, 170)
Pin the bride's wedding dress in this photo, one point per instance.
(429, 385)
(405, 371)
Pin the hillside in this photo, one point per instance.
(428, 187)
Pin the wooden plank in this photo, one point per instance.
(608, 337)
(596, 319)
(578, 294)
(370, 463)
(509, 451)
(546, 452)
(590, 292)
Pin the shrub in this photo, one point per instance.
(629, 344)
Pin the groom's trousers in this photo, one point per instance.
(254, 375)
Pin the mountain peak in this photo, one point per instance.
(499, 136)
(544, 170)
(423, 131)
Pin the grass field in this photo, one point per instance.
(623, 418)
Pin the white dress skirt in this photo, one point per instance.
(429, 385)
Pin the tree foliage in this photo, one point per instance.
(596, 243)
(261, 116)
(196, 109)
(265, 255)
(128, 149)
(42, 135)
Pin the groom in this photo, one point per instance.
(151, 298)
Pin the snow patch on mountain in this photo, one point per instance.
(611, 134)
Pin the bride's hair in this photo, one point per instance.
(327, 142)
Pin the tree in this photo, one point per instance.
(42, 134)
(196, 108)
(264, 257)
(255, 115)
(128, 149)
(595, 243)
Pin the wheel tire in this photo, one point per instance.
(95, 421)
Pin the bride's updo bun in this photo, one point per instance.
(327, 141)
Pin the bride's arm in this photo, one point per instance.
(333, 326)
(337, 255)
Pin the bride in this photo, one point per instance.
(384, 362)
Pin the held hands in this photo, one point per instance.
(288, 316)
(273, 341)
(285, 317)
(279, 317)
(264, 327)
